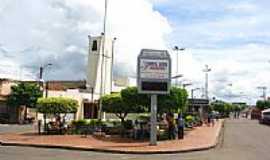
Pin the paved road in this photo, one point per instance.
(242, 140)
(4, 128)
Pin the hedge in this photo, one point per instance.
(57, 105)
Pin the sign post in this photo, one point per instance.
(154, 78)
(153, 134)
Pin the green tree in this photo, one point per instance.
(222, 107)
(114, 104)
(56, 106)
(174, 102)
(131, 97)
(121, 106)
(263, 104)
(24, 95)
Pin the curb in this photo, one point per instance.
(118, 151)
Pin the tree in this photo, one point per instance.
(263, 104)
(131, 97)
(24, 95)
(174, 102)
(222, 107)
(121, 104)
(56, 106)
(130, 101)
(114, 104)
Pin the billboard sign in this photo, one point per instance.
(154, 72)
(154, 69)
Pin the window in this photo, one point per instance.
(94, 45)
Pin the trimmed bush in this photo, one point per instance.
(57, 105)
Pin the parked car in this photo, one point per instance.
(265, 117)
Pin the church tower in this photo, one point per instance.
(99, 69)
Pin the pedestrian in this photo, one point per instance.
(212, 119)
(181, 125)
(171, 125)
(136, 129)
(208, 120)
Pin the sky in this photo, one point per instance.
(231, 36)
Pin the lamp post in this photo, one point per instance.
(41, 82)
(177, 49)
(186, 84)
(102, 58)
(192, 92)
(263, 88)
(206, 70)
(113, 46)
(177, 76)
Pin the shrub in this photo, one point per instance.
(189, 119)
(81, 122)
(57, 105)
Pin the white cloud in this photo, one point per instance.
(37, 32)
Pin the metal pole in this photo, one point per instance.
(46, 89)
(264, 93)
(102, 59)
(263, 88)
(206, 85)
(41, 84)
(105, 17)
(112, 62)
(176, 68)
(206, 70)
(153, 134)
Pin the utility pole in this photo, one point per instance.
(206, 70)
(192, 92)
(113, 46)
(102, 59)
(41, 82)
(263, 88)
(177, 49)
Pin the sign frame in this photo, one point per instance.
(154, 55)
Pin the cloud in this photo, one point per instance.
(38, 32)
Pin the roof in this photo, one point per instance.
(64, 85)
(3, 98)
(266, 110)
(155, 54)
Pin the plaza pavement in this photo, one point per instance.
(200, 138)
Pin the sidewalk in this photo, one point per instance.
(200, 138)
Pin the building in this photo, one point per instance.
(5, 89)
(88, 102)
(200, 106)
(99, 70)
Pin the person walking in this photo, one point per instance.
(181, 126)
(171, 125)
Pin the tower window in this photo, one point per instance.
(94, 45)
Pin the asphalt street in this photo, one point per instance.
(242, 140)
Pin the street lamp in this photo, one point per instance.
(113, 46)
(102, 58)
(206, 70)
(177, 49)
(263, 88)
(41, 82)
(186, 84)
(177, 76)
(192, 92)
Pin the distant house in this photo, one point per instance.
(6, 113)
(88, 101)
(255, 113)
